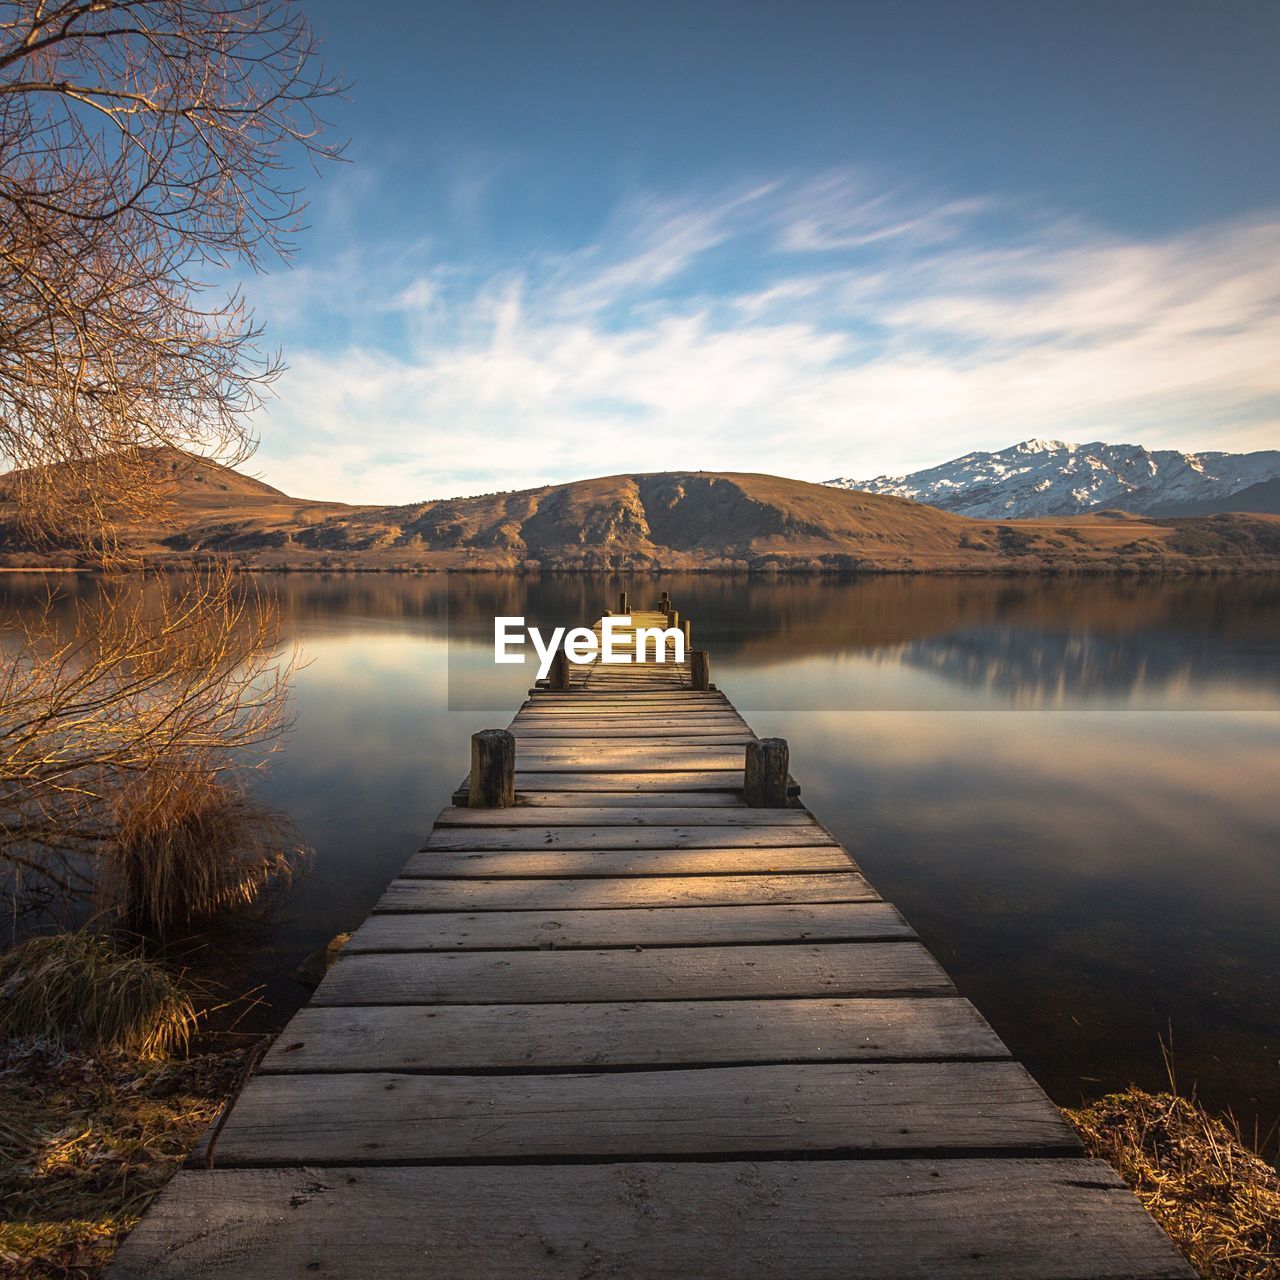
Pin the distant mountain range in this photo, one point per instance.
(658, 520)
(1051, 478)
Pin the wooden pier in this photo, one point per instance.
(633, 1026)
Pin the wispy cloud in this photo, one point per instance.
(814, 328)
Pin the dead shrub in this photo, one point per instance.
(188, 845)
(80, 990)
(1218, 1201)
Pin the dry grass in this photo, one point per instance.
(1218, 1201)
(86, 1143)
(79, 990)
(189, 844)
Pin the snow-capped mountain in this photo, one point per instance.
(1053, 478)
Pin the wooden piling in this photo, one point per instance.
(623, 603)
(765, 774)
(699, 670)
(559, 675)
(493, 770)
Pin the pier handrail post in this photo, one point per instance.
(623, 602)
(673, 618)
(699, 670)
(559, 675)
(493, 770)
(764, 779)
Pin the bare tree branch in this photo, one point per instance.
(143, 145)
(152, 692)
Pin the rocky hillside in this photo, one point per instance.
(1052, 478)
(669, 520)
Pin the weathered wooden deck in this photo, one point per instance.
(631, 1027)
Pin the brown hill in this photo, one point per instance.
(668, 520)
(194, 478)
(182, 475)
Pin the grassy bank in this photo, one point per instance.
(101, 1097)
(1218, 1201)
(86, 1142)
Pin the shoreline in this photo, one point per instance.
(1217, 570)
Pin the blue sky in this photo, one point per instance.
(806, 238)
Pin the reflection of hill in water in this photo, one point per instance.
(1032, 637)
(761, 617)
(1046, 669)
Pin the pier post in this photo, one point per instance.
(664, 603)
(673, 618)
(559, 677)
(623, 602)
(699, 670)
(765, 776)
(493, 770)
(688, 635)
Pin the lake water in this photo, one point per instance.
(1071, 788)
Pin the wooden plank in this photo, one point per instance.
(628, 703)
(621, 815)
(686, 835)
(692, 718)
(826, 1108)
(694, 735)
(725, 799)
(625, 705)
(621, 741)
(630, 927)
(676, 679)
(669, 673)
(674, 716)
(564, 863)
(665, 973)
(644, 675)
(722, 759)
(670, 736)
(638, 782)
(558, 726)
(637, 891)
(878, 1219)
(528, 1037)
(668, 670)
(630, 758)
(586, 698)
(627, 644)
(662, 717)
(616, 742)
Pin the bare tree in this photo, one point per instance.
(126, 732)
(143, 148)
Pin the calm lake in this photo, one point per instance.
(1070, 788)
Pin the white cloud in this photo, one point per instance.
(845, 211)
(808, 330)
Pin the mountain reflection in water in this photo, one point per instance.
(1034, 668)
